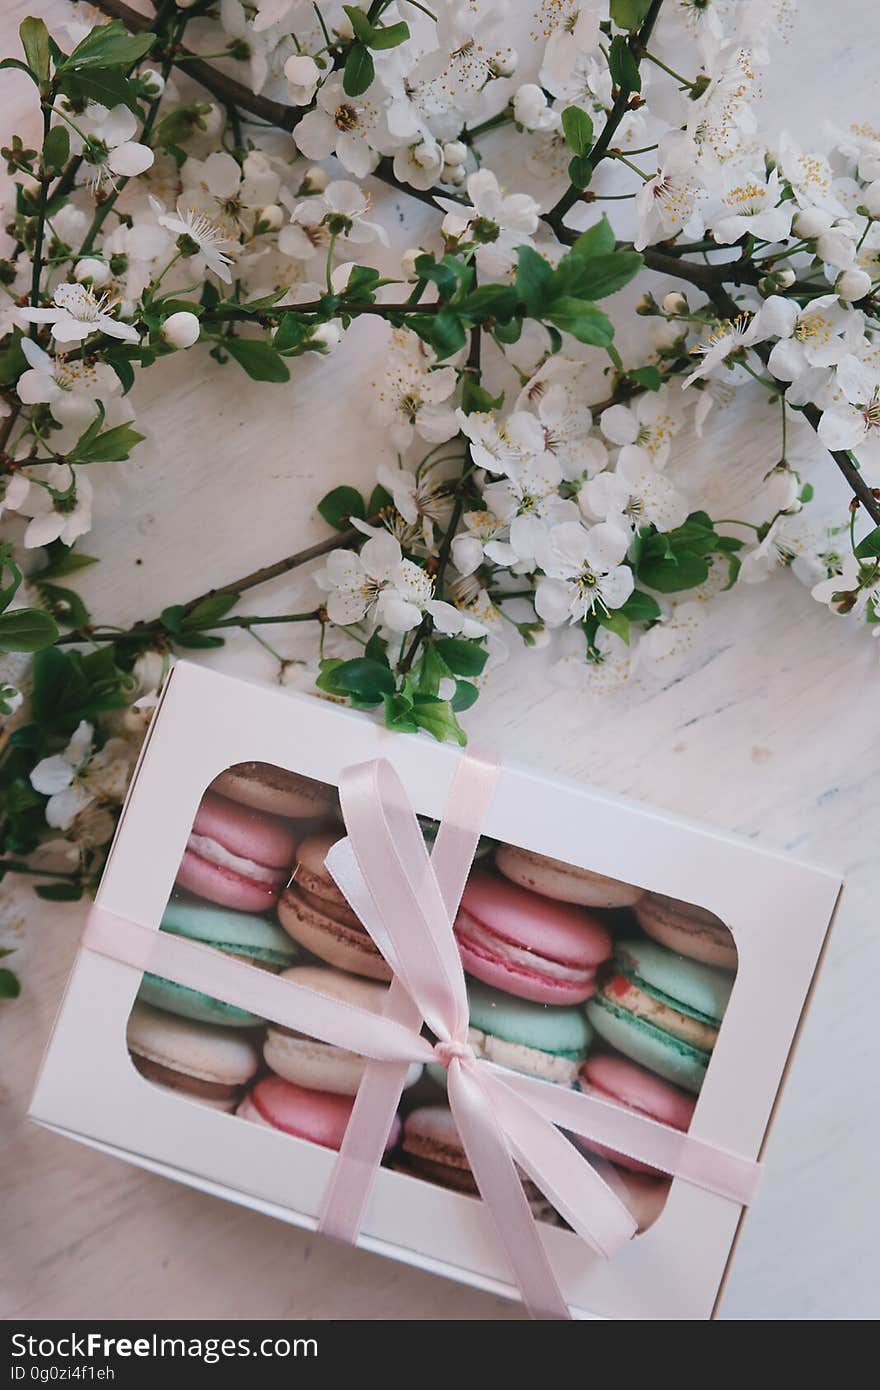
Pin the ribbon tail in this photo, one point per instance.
(492, 1165)
(567, 1179)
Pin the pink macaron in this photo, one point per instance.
(527, 945)
(614, 1079)
(236, 856)
(321, 1117)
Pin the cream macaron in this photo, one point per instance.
(566, 883)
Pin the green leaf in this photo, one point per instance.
(869, 545)
(389, 35)
(629, 14)
(398, 714)
(289, 334)
(35, 41)
(339, 506)
(56, 150)
(260, 360)
(26, 630)
(358, 72)
(59, 892)
(210, 611)
(113, 446)
(21, 67)
(66, 605)
(623, 66)
(380, 498)
(465, 696)
(681, 569)
(476, 397)
(12, 360)
(488, 301)
(432, 669)
(448, 274)
(640, 608)
(362, 26)
(446, 333)
(534, 276)
(604, 275)
(597, 240)
(9, 986)
(436, 718)
(647, 377)
(577, 129)
(109, 86)
(64, 561)
(617, 622)
(362, 678)
(463, 657)
(377, 649)
(109, 46)
(8, 591)
(807, 492)
(580, 171)
(582, 320)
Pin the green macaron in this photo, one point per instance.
(253, 938)
(541, 1040)
(661, 1009)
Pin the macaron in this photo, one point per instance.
(528, 945)
(430, 1148)
(318, 1116)
(316, 914)
(206, 1063)
(236, 856)
(319, 1065)
(550, 1043)
(268, 788)
(566, 883)
(256, 939)
(692, 931)
(613, 1078)
(661, 1010)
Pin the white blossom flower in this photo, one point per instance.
(751, 206)
(852, 419)
(78, 313)
(70, 389)
(608, 665)
(635, 494)
(80, 776)
(349, 127)
(673, 200)
(566, 422)
(652, 422)
(529, 501)
(14, 488)
(810, 176)
(819, 335)
(421, 162)
(377, 582)
(453, 621)
(209, 239)
(788, 539)
(422, 498)
(61, 509)
(340, 211)
(497, 445)
(230, 195)
(499, 222)
(468, 546)
(855, 590)
(730, 338)
(583, 573)
(574, 35)
(532, 111)
(109, 149)
(414, 396)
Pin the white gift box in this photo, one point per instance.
(778, 910)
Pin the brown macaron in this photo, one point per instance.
(690, 930)
(314, 912)
(268, 788)
(565, 883)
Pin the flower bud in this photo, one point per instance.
(90, 268)
(646, 305)
(315, 180)
(271, 217)
(852, 284)
(181, 330)
(776, 281)
(454, 152)
(326, 336)
(344, 27)
(152, 82)
(302, 73)
(185, 4)
(675, 303)
(811, 222)
(837, 246)
(454, 174)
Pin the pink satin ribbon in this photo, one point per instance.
(508, 1123)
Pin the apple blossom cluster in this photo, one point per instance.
(217, 182)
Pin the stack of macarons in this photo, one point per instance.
(572, 977)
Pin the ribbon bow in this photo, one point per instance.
(507, 1122)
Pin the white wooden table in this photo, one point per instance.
(768, 729)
